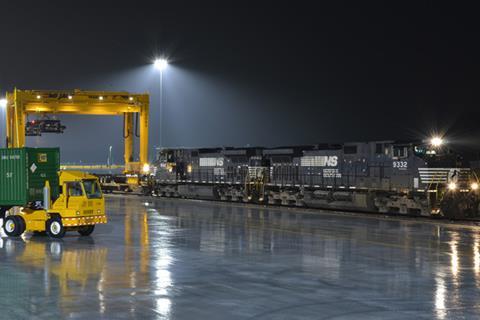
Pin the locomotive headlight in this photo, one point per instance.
(474, 186)
(436, 141)
(146, 168)
(452, 186)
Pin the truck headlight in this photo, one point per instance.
(474, 186)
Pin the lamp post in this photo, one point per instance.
(109, 159)
(161, 64)
(3, 106)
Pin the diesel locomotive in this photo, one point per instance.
(424, 178)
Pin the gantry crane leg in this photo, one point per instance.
(128, 139)
(143, 152)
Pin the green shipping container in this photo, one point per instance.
(23, 172)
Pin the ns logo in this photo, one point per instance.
(331, 161)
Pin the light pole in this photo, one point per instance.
(161, 64)
(110, 160)
(3, 106)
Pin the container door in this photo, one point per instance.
(13, 180)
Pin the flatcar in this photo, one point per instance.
(421, 178)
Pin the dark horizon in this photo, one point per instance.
(265, 74)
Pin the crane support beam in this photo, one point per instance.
(144, 133)
(21, 103)
(128, 137)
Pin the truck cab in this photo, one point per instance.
(79, 206)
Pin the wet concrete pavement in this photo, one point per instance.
(176, 259)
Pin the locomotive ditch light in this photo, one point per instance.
(474, 186)
(452, 186)
(436, 141)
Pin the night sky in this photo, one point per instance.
(253, 74)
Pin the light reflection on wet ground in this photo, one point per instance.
(175, 259)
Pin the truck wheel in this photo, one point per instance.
(22, 224)
(14, 226)
(86, 231)
(55, 228)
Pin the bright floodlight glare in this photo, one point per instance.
(452, 186)
(474, 186)
(3, 103)
(436, 141)
(160, 64)
(146, 168)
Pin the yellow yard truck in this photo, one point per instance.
(36, 197)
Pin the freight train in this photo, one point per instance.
(424, 178)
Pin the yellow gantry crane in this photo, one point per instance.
(21, 103)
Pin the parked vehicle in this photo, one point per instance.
(36, 197)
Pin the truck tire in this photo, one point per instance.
(22, 223)
(86, 231)
(55, 228)
(14, 226)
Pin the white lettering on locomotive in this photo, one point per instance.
(401, 165)
(331, 173)
(218, 171)
(319, 161)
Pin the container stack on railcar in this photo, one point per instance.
(404, 177)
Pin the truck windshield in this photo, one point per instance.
(92, 189)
